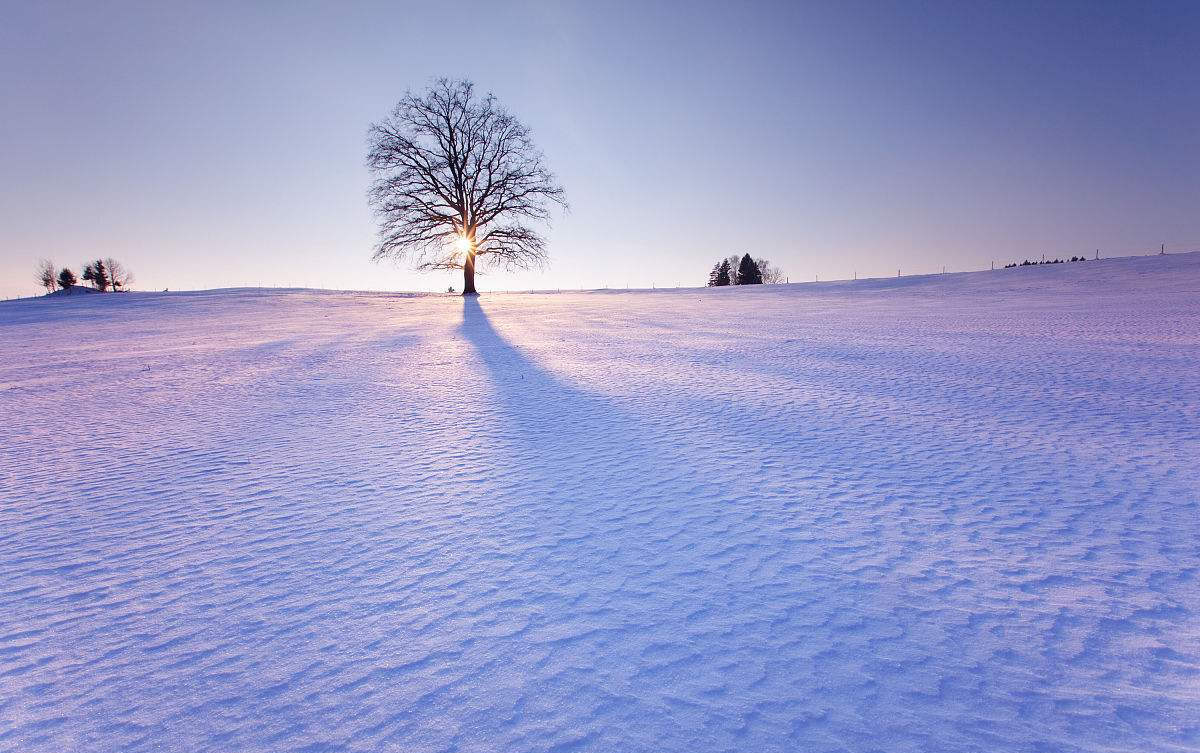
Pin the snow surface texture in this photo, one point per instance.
(923, 514)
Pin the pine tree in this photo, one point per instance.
(723, 276)
(748, 272)
(719, 276)
(66, 279)
(100, 275)
(96, 273)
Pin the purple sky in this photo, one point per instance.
(222, 143)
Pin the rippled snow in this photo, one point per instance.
(943, 513)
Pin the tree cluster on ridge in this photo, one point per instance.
(744, 270)
(104, 275)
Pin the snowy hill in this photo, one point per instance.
(73, 290)
(955, 512)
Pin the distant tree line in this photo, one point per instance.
(744, 270)
(1028, 263)
(104, 275)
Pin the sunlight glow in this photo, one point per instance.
(462, 245)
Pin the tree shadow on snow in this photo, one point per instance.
(644, 570)
(563, 445)
(590, 490)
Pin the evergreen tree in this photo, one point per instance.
(748, 272)
(66, 279)
(721, 275)
(97, 274)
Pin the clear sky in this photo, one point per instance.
(222, 143)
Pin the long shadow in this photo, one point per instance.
(572, 450)
(614, 515)
(589, 533)
(659, 583)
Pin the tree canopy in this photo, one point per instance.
(66, 279)
(744, 270)
(748, 272)
(458, 179)
(720, 277)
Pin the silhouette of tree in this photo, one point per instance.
(66, 279)
(719, 277)
(96, 273)
(119, 275)
(457, 180)
(748, 272)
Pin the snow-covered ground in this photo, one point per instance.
(953, 513)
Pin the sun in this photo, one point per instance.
(462, 244)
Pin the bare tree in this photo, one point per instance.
(119, 275)
(771, 274)
(734, 260)
(47, 276)
(458, 179)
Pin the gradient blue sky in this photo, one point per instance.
(222, 144)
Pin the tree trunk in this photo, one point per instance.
(469, 275)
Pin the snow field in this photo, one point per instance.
(949, 513)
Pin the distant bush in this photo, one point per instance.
(1028, 263)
